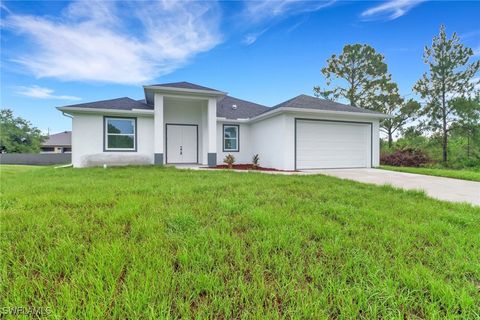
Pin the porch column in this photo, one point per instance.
(212, 132)
(158, 129)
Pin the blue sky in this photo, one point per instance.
(59, 53)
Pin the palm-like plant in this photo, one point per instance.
(255, 161)
(229, 160)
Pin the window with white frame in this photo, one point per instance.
(231, 137)
(120, 134)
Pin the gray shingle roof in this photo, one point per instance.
(183, 85)
(307, 102)
(59, 139)
(245, 109)
(115, 104)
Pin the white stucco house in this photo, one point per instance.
(182, 122)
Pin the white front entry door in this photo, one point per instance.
(181, 143)
(333, 144)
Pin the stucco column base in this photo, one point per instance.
(212, 159)
(158, 159)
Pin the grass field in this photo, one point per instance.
(146, 242)
(448, 173)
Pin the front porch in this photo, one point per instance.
(185, 125)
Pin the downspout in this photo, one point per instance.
(64, 166)
(67, 115)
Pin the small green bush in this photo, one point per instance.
(229, 160)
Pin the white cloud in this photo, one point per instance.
(391, 9)
(268, 9)
(42, 93)
(117, 42)
(252, 37)
(264, 13)
(469, 34)
(4, 7)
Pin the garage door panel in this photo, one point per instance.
(323, 144)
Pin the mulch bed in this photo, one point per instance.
(246, 167)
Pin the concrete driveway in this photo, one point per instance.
(437, 187)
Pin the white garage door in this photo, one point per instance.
(328, 144)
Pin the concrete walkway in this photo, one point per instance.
(437, 187)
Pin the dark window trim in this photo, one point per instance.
(105, 134)
(238, 137)
(328, 120)
(166, 137)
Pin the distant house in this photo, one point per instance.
(58, 143)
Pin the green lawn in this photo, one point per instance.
(147, 242)
(449, 173)
(7, 170)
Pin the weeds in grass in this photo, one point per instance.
(147, 242)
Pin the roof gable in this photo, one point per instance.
(183, 85)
